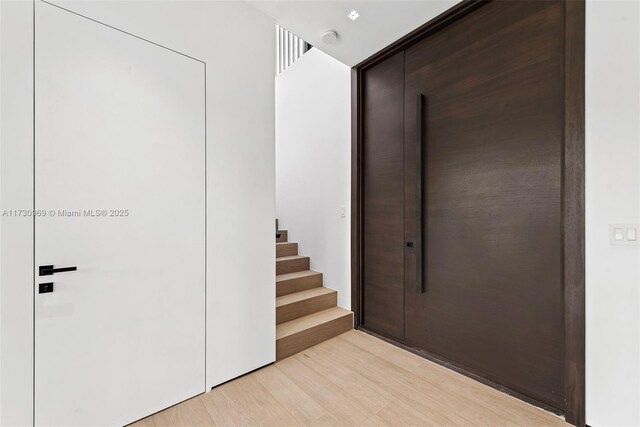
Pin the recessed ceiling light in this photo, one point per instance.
(353, 15)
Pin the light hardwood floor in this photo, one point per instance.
(353, 379)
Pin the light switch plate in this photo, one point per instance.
(618, 234)
(624, 234)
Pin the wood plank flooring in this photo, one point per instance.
(353, 379)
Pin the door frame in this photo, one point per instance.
(573, 197)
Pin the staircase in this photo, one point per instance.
(306, 312)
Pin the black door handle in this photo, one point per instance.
(48, 270)
(45, 288)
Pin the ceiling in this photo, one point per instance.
(381, 22)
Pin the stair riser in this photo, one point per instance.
(283, 237)
(286, 249)
(302, 308)
(286, 287)
(295, 343)
(292, 265)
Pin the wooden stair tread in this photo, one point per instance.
(302, 295)
(286, 249)
(295, 326)
(289, 264)
(290, 258)
(296, 275)
(298, 281)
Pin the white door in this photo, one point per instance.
(120, 175)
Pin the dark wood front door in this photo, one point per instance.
(492, 127)
(491, 138)
(383, 198)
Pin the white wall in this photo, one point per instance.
(313, 164)
(238, 44)
(16, 191)
(612, 197)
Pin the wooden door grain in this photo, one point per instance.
(383, 228)
(493, 144)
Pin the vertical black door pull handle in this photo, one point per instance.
(420, 101)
